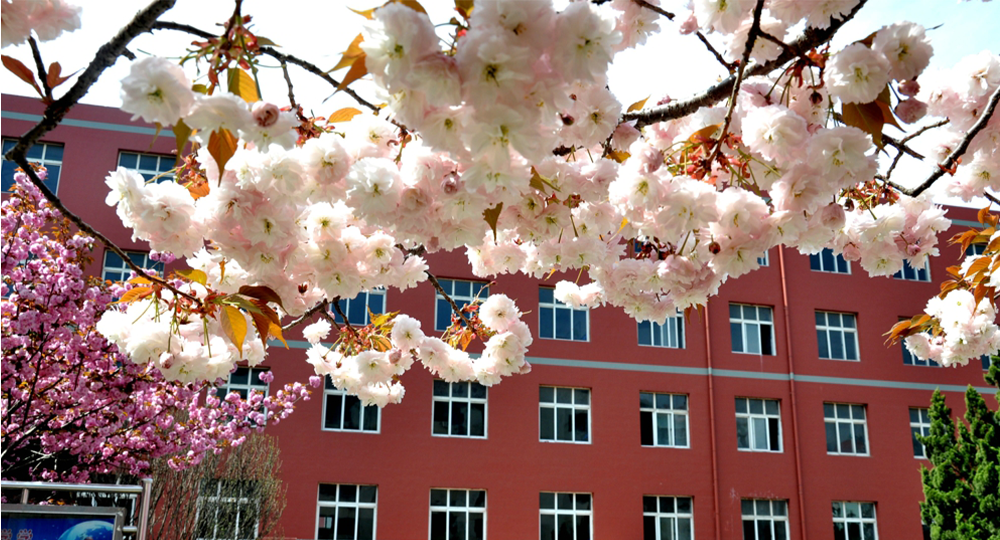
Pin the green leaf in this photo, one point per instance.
(265, 42)
(492, 215)
(234, 324)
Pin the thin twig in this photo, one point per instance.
(347, 322)
(952, 159)
(322, 308)
(288, 81)
(42, 75)
(812, 37)
(784, 46)
(657, 9)
(909, 138)
(747, 49)
(701, 37)
(454, 306)
(991, 197)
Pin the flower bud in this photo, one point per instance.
(909, 88)
(450, 184)
(833, 216)
(265, 114)
(911, 110)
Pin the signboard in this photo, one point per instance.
(34, 522)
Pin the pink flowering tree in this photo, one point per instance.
(72, 404)
(498, 136)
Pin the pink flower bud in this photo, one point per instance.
(265, 114)
(909, 88)
(450, 184)
(911, 110)
(690, 25)
(833, 216)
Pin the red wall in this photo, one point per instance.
(405, 461)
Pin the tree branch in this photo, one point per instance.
(347, 322)
(747, 49)
(701, 37)
(811, 38)
(288, 81)
(451, 302)
(42, 75)
(952, 159)
(321, 308)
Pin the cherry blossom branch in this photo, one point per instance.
(347, 322)
(42, 75)
(701, 37)
(451, 302)
(288, 81)
(322, 308)
(907, 139)
(747, 49)
(809, 39)
(270, 51)
(952, 160)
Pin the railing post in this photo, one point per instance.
(147, 492)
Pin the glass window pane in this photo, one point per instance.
(352, 412)
(439, 526)
(564, 395)
(753, 338)
(771, 406)
(546, 318)
(547, 424)
(736, 336)
(742, 433)
(756, 406)
(580, 431)
(680, 429)
(680, 402)
(760, 434)
(564, 324)
(547, 500)
(580, 325)
(645, 333)
(831, 437)
(859, 439)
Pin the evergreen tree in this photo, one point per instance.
(962, 491)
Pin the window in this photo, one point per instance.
(342, 412)
(557, 320)
(764, 519)
(564, 414)
(346, 512)
(758, 425)
(846, 429)
(667, 518)
(459, 409)
(48, 155)
(357, 309)
(243, 381)
(751, 329)
(920, 424)
(150, 166)
(826, 261)
(670, 334)
(565, 516)
(912, 360)
(663, 419)
(987, 360)
(458, 514)
(764, 260)
(973, 249)
(909, 273)
(462, 292)
(227, 510)
(854, 521)
(115, 268)
(837, 335)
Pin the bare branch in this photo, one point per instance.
(454, 306)
(288, 81)
(657, 9)
(322, 308)
(701, 37)
(991, 197)
(747, 48)
(347, 322)
(952, 159)
(40, 66)
(905, 140)
(812, 37)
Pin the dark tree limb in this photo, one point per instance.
(288, 81)
(812, 37)
(957, 153)
(40, 66)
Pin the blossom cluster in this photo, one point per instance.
(75, 405)
(373, 375)
(512, 119)
(48, 19)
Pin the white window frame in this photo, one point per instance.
(575, 512)
(850, 420)
(765, 259)
(555, 305)
(249, 386)
(448, 509)
(572, 406)
(660, 514)
(330, 391)
(975, 249)
(156, 175)
(663, 404)
(846, 333)
(823, 266)
(356, 504)
(366, 296)
(448, 284)
(124, 269)
(669, 335)
(757, 516)
(748, 323)
(467, 400)
(44, 161)
(909, 273)
(752, 420)
(920, 422)
(859, 518)
(217, 500)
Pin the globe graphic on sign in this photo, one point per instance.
(90, 530)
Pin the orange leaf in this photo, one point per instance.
(867, 117)
(194, 275)
(343, 115)
(17, 68)
(222, 145)
(638, 105)
(132, 295)
(704, 134)
(351, 54)
(368, 13)
(243, 85)
(234, 325)
(492, 215)
(261, 292)
(464, 8)
(358, 70)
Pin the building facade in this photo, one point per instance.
(777, 411)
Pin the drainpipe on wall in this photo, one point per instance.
(791, 391)
(711, 423)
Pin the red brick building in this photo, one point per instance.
(776, 412)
